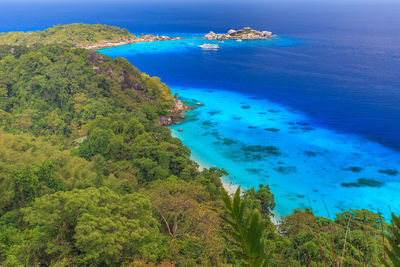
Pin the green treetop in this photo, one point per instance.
(75, 35)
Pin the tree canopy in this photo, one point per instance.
(75, 35)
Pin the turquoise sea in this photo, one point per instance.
(259, 141)
(314, 113)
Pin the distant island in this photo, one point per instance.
(81, 35)
(98, 36)
(246, 33)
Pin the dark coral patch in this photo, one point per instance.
(391, 172)
(362, 182)
(254, 170)
(228, 141)
(193, 119)
(353, 169)
(257, 153)
(216, 135)
(208, 123)
(302, 123)
(310, 153)
(286, 170)
(212, 113)
(271, 150)
(274, 130)
(307, 129)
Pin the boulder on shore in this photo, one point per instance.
(176, 114)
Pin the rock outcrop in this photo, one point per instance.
(243, 34)
(176, 114)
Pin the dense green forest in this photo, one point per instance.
(77, 34)
(89, 178)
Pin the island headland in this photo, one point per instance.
(79, 35)
(140, 39)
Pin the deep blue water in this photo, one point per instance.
(335, 64)
(346, 76)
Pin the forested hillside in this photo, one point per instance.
(81, 124)
(89, 178)
(77, 35)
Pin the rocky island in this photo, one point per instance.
(246, 33)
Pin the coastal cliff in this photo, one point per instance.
(243, 34)
(176, 114)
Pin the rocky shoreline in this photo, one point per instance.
(141, 39)
(246, 33)
(243, 34)
(176, 114)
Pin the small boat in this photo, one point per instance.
(238, 40)
(209, 46)
(220, 41)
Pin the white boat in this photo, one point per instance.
(209, 46)
(238, 40)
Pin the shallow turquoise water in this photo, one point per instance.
(259, 142)
(190, 42)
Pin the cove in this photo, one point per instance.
(306, 166)
(261, 132)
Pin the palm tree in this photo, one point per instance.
(247, 230)
(393, 249)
